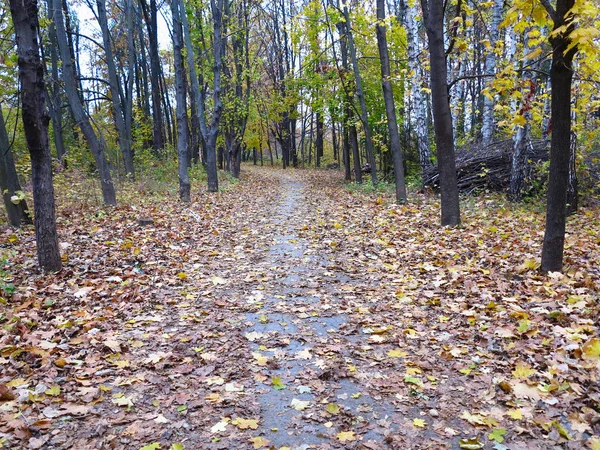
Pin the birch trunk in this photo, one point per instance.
(419, 101)
(487, 128)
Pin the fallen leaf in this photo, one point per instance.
(420, 423)
(245, 424)
(346, 436)
(299, 405)
(259, 442)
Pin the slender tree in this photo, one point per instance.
(54, 93)
(487, 128)
(433, 16)
(150, 13)
(95, 142)
(561, 76)
(390, 107)
(116, 96)
(419, 100)
(16, 206)
(364, 116)
(180, 95)
(35, 123)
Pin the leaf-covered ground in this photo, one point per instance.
(288, 312)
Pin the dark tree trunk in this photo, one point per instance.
(361, 98)
(334, 138)
(346, 154)
(115, 92)
(158, 129)
(319, 141)
(55, 104)
(17, 212)
(433, 15)
(96, 143)
(561, 76)
(180, 94)
(355, 153)
(217, 7)
(390, 107)
(35, 124)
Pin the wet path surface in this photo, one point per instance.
(311, 399)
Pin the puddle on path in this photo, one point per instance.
(288, 338)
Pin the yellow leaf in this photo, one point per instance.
(523, 371)
(420, 423)
(182, 275)
(260, 359)
(515, 414)
(346, 436)
(53, 391)
(591, 349)
(244, 424)
(259, 442)
(332, 408)
(397, 353)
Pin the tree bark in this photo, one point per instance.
(319, 140)
(433, 15)
(487, 128)
(17, 212)
(96, 143)
(390, 107)
(361, 98)
(35, 123)
(561, 76)
(158, 128)
(419, 100)
(115, 91)
(55, 104)
(180, 95)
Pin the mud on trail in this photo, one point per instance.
(288, 312)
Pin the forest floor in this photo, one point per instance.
(288, 312)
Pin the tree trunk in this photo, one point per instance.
(115, 91)
(17, 212)
(319, 141)
(180, 95)
(419, 101)
(217, 7)
(390, 107)
(55, 104)
(521, 166)
(361, 98)
(433, 15)
(35, 124)
(561, 76)
(487, 129)
(158, 129)
(95, 142)
(355, 153)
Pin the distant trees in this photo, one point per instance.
(321, 81)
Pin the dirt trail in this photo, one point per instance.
(301, 317)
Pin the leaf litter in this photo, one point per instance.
(288, 312)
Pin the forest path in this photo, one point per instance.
(313, 395)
